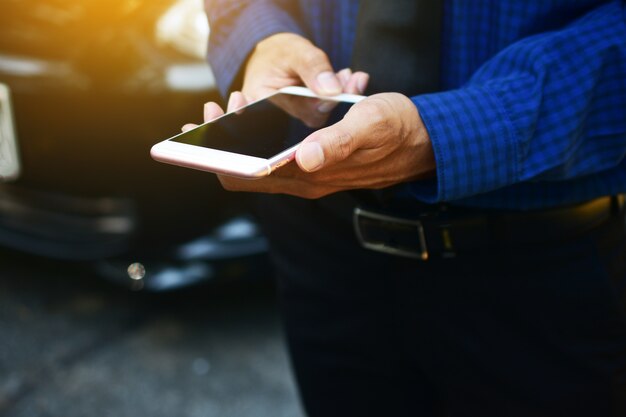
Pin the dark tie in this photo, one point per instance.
(398, 43)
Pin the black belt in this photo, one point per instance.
(446, 232)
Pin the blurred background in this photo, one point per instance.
(127, 287)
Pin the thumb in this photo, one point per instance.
(326, 147)
(317, 73)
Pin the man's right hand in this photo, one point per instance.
(287, 59)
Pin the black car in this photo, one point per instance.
(86, 88)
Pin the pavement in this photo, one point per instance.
(73, 345)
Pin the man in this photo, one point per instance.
(486, 276)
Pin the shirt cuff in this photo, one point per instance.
(233, 38)
(473, 141)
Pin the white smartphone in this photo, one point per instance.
(255, 140)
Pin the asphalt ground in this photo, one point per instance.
(74, 345)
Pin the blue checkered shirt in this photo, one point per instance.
(532, 110)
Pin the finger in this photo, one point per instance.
(335, 143)
(358, 83)
(253, 90)
(315, 70)
(212, 111)
(275, 184)
(325, 147)
(236, 101)
(344, 77)
(188, 127)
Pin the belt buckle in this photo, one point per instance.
(389, 234)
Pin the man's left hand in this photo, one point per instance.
(380, 142)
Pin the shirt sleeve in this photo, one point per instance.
(551, 107)
(237, 26)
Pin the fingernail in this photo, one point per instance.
(231, 102)
(328, 83)
(326, 106)
(345, 75)
(311, 156)
(362, 83)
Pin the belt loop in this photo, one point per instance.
(446, 232)
(448, 251)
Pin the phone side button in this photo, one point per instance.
(281, 164)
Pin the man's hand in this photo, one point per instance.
(380, 142)
(287, 59)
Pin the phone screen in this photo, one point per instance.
(266, 128)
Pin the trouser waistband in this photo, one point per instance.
(447, 232)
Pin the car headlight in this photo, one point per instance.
(184, 27)
(9, 159)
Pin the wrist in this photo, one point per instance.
(280, 40)
(415, 133)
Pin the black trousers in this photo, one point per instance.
(513, 330)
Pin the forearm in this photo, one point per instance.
(548, 108)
